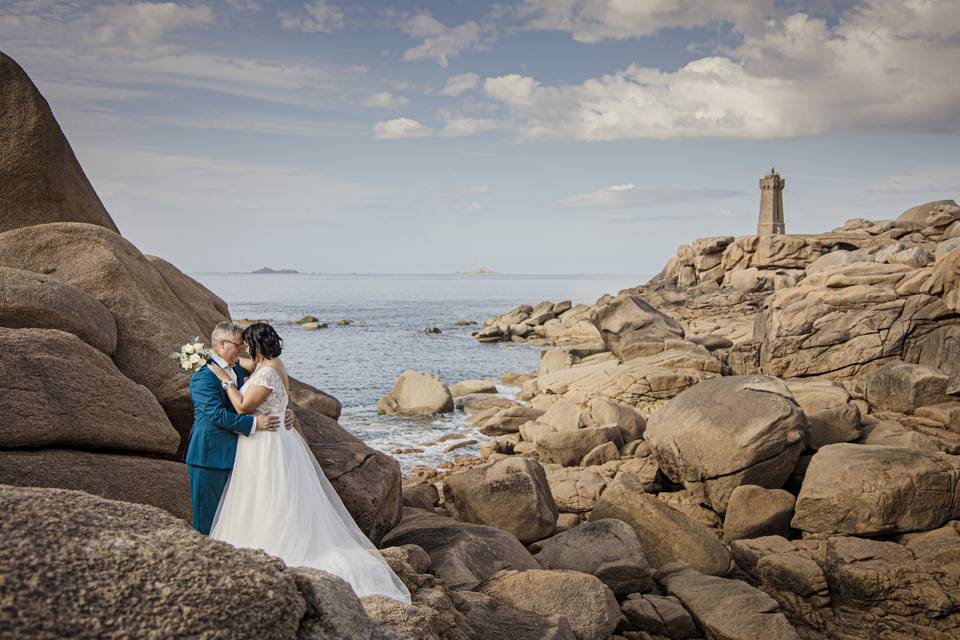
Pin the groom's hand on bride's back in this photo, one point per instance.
(289, 419)
(267, 423)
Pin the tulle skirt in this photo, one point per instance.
(278, 499)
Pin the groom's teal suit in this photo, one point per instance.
(213, 443)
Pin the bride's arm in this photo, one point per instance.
(247, 403)
(248, 363)
(242, 403)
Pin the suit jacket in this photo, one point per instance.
(216, 425)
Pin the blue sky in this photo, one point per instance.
(541, 136)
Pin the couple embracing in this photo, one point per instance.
(254, 482)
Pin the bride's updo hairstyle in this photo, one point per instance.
(262, 340)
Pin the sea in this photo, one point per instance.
(359, 362)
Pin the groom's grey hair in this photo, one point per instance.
(224, 331)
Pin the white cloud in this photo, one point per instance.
(880, 66)
(440, 42)
(385, 100)
(141, 25)
(596, 20)
(460, 83)
(454, 126)
(319, 16)
(629, 196)
(399, 129)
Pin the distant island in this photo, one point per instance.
(479, 271)
(269, 270)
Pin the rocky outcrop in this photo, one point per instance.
(726, 432)
(587, 604)
(150, 319)
(58, 391)
(510, 494)
(832, 415)
(32, 300)
(40, 178)
(847, 587)
(630, 327)
(754, 512)
(665, 534)
(160, 483)
(542, 323)
(615, 555)
(71, 562)
(462, 555)
(848, 319)
(867, 490)
(416, 393)
(726, 608)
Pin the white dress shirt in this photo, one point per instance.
(233, 378)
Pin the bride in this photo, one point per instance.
(278, 499)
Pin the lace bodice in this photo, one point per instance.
(276, 402)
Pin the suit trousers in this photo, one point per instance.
(206, 489)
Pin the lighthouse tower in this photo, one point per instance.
(771, 205)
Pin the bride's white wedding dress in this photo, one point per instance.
(278, 500)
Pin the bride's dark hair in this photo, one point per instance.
(262, 339)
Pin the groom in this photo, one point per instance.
(216, 426)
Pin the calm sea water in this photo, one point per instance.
(360, 363)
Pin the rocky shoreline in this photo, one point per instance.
(776, 419)
(760, 443)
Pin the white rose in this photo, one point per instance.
(194, 359)
(188, 348)
(185, 364)
(198, 347)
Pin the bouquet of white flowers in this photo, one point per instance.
(192, 356)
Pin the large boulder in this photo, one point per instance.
(608, 549)
(367, 480)
(490, 618)
(861, 489)
(462, 555)
(433, 612)
(40, 178)
(569, 447)
(832, 416)
(151, 319)
(941, 211)
(31, 300)
(314, 399)
(728, 431)
(754, 512)
(725, 608)
(631, 327)
(76, 565)
(665, 534)
(510, 494)
(904, 386)
(160, 483)
(59, 391)
(575, 490)
(587, 604)
(416, 393)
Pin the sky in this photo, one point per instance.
(539, 136)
